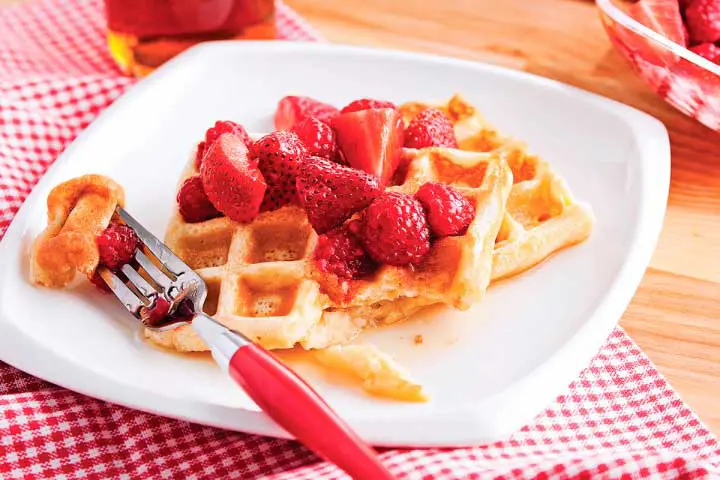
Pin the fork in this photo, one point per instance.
(274, 387)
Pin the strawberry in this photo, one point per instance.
(430, 128)
(193, 203)
(212, 133)
(394, 229)
(318, 137)
(292, 109)
(709, 51)
(371, 140)
(278, 156)
(702, 18)
(331, 193)
(662, 16)
(366, 104)
(232, 182)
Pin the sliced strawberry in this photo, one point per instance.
(232, 181)
(366, 104)
(331, 193)
(371, 140)
(212, 133)
(662, 16)
(279, 156)
(293, 109)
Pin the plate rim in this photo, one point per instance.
(651, 135)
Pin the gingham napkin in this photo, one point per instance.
(620, 418)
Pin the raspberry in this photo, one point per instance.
(430, 128)
(448, 212)
(97, 280)
(338, 252)
(155, 313)
(318, 137)
(394, 229)
(278, 156)
(331, 193)
(709, 51)
(366, 104)
(193, 203)
(702, 18)
(212, 134)
(116, 245)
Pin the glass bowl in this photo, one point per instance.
(684, 79)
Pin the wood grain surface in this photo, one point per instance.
(675, 315)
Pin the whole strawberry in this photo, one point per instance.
(338, 252)
(448, 212)
(193, 203)
(231, 180)
(212, 134)
(318, 137)
(394, 229)
(331, 193)
(430, 128)
(279, 155)
(366, 104)
(116, 245)
(702, 18)
(293, 109)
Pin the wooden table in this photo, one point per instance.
(675, 315)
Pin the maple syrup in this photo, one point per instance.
(143, 34)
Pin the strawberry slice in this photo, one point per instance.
(371, 140)
(662, 16)
(331, 193)
(232, 182)
(293, 109)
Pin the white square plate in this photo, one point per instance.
(489, 370)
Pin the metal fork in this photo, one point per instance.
(276, 389)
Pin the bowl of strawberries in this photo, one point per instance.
(674, 45)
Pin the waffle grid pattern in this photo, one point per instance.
(619, 419)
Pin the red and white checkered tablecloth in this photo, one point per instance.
(619, 419)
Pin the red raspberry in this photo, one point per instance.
(212, 134)
(193, 203)
(448, 212)
(702, 18)
(366, 104)
(430, 128)
(318, 137)
(155, 313)
(338, 252)
(709, 51)
(97, 280)
(394, 229)
(116, 245)
(279, 156)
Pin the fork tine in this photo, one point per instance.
(138, 281)
(157, 275)
(164, 254)
(121, 291)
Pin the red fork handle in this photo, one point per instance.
(296, 407)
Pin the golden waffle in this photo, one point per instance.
(78, 211)
(542, 215)
(262, 284)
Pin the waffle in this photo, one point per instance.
(78, 210)
(542, 216)
(262, 283)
